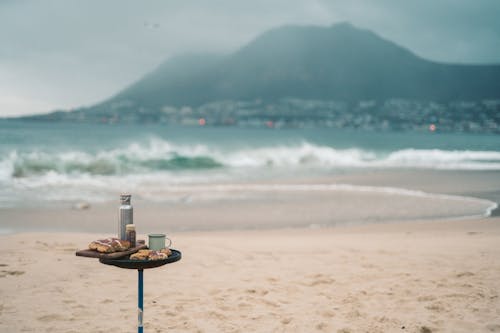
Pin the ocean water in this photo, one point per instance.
(43, 162)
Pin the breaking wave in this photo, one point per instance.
(159, 155)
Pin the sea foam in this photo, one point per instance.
(149, 167)
(163, 156)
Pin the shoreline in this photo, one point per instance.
(280, 206)
(290, 273)
(335, 200)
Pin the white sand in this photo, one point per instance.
(425, 277)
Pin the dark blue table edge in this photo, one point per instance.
(142, 264)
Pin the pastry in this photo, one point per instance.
(157, 255)
(166, 250)
(109, 245)
(140, 255)
(151, 255)
(120, 245)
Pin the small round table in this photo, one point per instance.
(141, 265)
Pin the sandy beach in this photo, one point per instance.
(411, 277)
(292, 272)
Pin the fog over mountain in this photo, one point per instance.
(340, 62)
(307, 64)
(77, 53)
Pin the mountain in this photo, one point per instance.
(340, 62)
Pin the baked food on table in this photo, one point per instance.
(140, 255)
(151, 254)
(109, 245)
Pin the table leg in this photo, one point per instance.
(141, 305)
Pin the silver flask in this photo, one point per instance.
(125, 214)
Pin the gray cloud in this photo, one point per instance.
(67, 53)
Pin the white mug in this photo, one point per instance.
(157, 242)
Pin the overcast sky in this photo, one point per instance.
(68, 53)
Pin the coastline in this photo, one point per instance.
(339, 199)
(269, 263)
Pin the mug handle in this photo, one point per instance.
(169, 242)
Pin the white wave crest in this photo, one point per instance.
(160, 156)
(443, 159)
(305, 154)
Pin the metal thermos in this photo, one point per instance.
(126, 215)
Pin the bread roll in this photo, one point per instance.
(109, 245)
